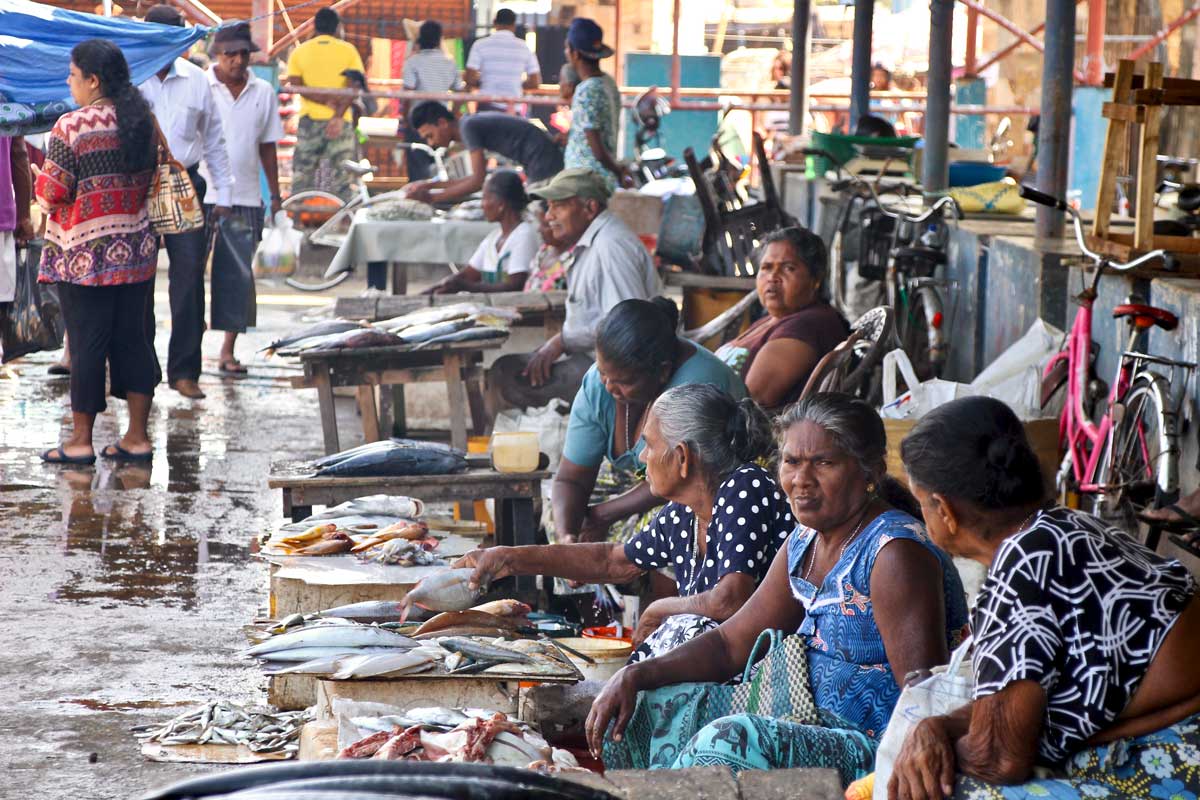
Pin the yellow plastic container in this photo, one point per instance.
(515, 452)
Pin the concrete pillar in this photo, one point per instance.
(1054, 129)
(860, 61)
(801, 41)
(937, 103)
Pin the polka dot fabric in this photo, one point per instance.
(750, 521)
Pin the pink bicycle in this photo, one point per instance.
(1128, 460)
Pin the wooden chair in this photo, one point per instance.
(726, 324)
(733, 231)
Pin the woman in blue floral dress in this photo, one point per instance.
(871, 597)
(1085, 642)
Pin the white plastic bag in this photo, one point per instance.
(948, 689)
(1016, 375)
(279, 251)
(921, 397)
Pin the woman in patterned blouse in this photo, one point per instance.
(701, 446)
(100, 249)
(1085, 642)
(870, 596)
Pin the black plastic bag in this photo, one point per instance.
(233, 297)
(34, 320)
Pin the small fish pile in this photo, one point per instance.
(454, 735)
(262, 729)
(392, 457)
(326, 538)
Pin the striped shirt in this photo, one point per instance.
(502, 61)
(430, 71)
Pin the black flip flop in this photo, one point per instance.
(59, 369)
(56, 455)
(1185, 521)
(114, 452)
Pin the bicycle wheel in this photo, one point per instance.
(1140, 465)
(312, 210)
(921, 333)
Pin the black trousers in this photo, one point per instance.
(188, 254)
(113, 324)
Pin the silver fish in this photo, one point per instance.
(382, 665)
(478, 333)
(445, 591)
(301, 654)
(423, 333)
(332, 636)
(481, 651)
(369, 611)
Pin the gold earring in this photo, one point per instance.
(871, 488)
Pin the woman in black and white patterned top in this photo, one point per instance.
(701, 446)
(1085, 641)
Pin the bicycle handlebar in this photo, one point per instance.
(1169, 262)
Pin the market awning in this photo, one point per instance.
(35, 54)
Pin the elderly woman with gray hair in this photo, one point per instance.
(701, 446)
(858, 580)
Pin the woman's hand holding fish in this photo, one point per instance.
(490, 564)
(615, 705)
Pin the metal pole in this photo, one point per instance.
(860, 61)
(971, 70)
(1093, 60)
(1054, 129)
(675, 69)
(937, 116)
(801, 40)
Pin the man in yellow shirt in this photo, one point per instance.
(325, 131)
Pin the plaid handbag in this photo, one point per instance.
(172, 204)
(665, 719)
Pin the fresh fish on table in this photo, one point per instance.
(400, 530)
(301, 655)
(309, 535)
(332, 636)
(374, 505)
(404, 553)
(400, 457)
(424, 333)
(445, 591)
(332, 544)
(477, 333)
(386, 664)
(481, 651)
(369, 611)
(504, 608)
(470, 617)
(326, 328)
(352, 340)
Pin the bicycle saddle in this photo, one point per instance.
(1146, 316)
(1189, 198)
(921, 253)
(356, 168)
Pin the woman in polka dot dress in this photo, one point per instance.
(701, 446)
(860, 582)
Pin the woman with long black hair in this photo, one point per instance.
(100, 249)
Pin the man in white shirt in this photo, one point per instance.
(182, 103)
(249, 110)
(501, 64)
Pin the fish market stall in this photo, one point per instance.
(457, 364)
(546, 310)
(442, 240)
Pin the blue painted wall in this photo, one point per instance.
(969, 129)
(1088, 129)
(680, 129)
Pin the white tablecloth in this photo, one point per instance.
(438, 241)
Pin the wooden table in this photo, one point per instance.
(544, 309)
(459, 364)
(513, 493)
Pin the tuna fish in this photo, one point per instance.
(399, 457)
(478, 333)
(326, 328)
(347, 636)
(384, 664)
(424, 333)
(353, 340)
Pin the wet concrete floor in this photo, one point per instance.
(123, 589)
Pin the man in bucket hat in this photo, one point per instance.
(605, 262)
(249, 111)
(596, 107)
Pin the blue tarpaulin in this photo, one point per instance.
(35, 53)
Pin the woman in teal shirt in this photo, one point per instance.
(638, 357)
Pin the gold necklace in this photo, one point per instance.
(100, 101)
(812, 559)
